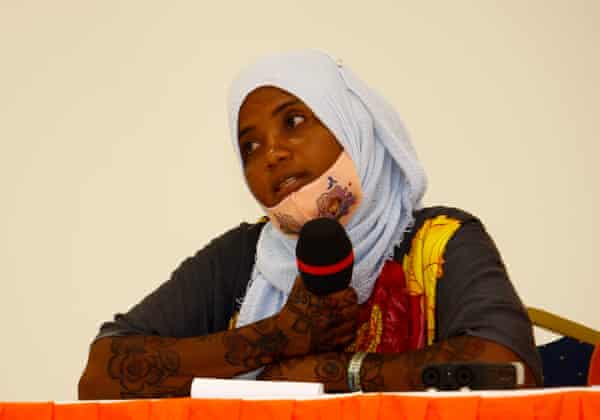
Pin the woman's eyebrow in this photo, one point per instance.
(245, 131)
(284, 106)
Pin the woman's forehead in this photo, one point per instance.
(265, 99)
(264, 96)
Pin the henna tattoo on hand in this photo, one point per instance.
(305, 325)
(252, 348)
(330, 368)
(314, 314)
(371, 373)
(404, 370)
(272, 372)
(146, 367)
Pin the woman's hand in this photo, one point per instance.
(385, 372)
(317, 324)
(327, 368)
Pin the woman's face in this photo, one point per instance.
(283, 145)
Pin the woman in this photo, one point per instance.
(428, 284)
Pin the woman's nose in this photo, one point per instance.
(276, 154)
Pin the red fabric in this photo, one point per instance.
(569, 405)
(214, 409)
(402, 328)
(87, 411)
(126, 410)
(403, 408)
(590, 406)
(169, 409)
(324, 409)
(501, 409)
(448, 408)
(594, 369)
(26, 411)
(268, 410)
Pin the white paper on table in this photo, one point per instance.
(238, 388)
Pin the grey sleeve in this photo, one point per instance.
(475, 296)
(200, 296)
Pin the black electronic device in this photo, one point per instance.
(475, 376)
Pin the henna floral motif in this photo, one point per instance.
(262, 348)
(313, 314)
(145, 365)
(371, 373)
(407, 366)
(330, 368)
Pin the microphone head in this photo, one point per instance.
(324, 256)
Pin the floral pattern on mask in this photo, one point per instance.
(335, 194)
(336, 202)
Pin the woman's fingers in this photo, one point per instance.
(350, 313)
(341, 317)
(340, 343)
(344, 342)
(344, 298)
(347, 328)
(318, 322)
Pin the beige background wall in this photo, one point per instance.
(115, 161)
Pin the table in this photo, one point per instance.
(563, 404)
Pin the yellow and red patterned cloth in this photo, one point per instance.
(400, 314)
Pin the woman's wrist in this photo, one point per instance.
(331, 369)
(353, 372)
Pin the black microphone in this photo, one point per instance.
(324, 256)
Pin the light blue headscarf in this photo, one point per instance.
(392, 180)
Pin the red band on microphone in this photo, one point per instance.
(324, 270)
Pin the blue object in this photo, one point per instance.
(565, 362)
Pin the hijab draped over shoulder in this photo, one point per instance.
(371, 132)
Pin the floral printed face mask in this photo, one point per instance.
(335, 194)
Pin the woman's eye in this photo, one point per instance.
(249, 147)
(294, 120)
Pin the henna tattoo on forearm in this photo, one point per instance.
(403, 371)
(253, 347)
(146, 367)
(330, 368)
(277, 371)
(371, 373)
